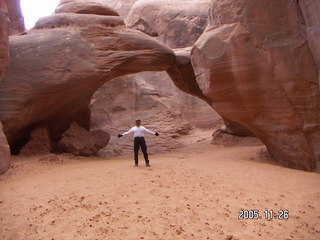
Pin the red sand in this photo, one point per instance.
(192, 193)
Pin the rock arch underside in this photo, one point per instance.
(256, 63)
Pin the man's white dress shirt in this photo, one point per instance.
(138, 131)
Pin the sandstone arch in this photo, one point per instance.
(56, 67)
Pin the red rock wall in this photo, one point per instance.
(255, 64)
(4, 61)
(4, 33)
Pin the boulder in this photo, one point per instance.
(79, 141)
(255, 65)
(38, 144)
(176, 23)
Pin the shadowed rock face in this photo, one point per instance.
(15, 16)
(310, 10)
(255, 65)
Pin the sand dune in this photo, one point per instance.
(186, 194)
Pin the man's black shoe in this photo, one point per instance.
(136, 164)
(147, 165)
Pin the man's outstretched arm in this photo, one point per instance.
(149, 131)
(125, 133)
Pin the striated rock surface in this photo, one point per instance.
(255, 65)
(192, 109)
(15, 16)
(11, 22)
(4, 34)
(121, 6)
(86, 8)
(311, 17)
(176, 23)
(117, 104)
(79, 141)
(73, 20)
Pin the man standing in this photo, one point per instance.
(139, 141)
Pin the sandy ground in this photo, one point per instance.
(191, 193)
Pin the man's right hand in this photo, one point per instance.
(120, 135)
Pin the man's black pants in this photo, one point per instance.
(140, 142)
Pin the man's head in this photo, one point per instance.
(138, 122)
